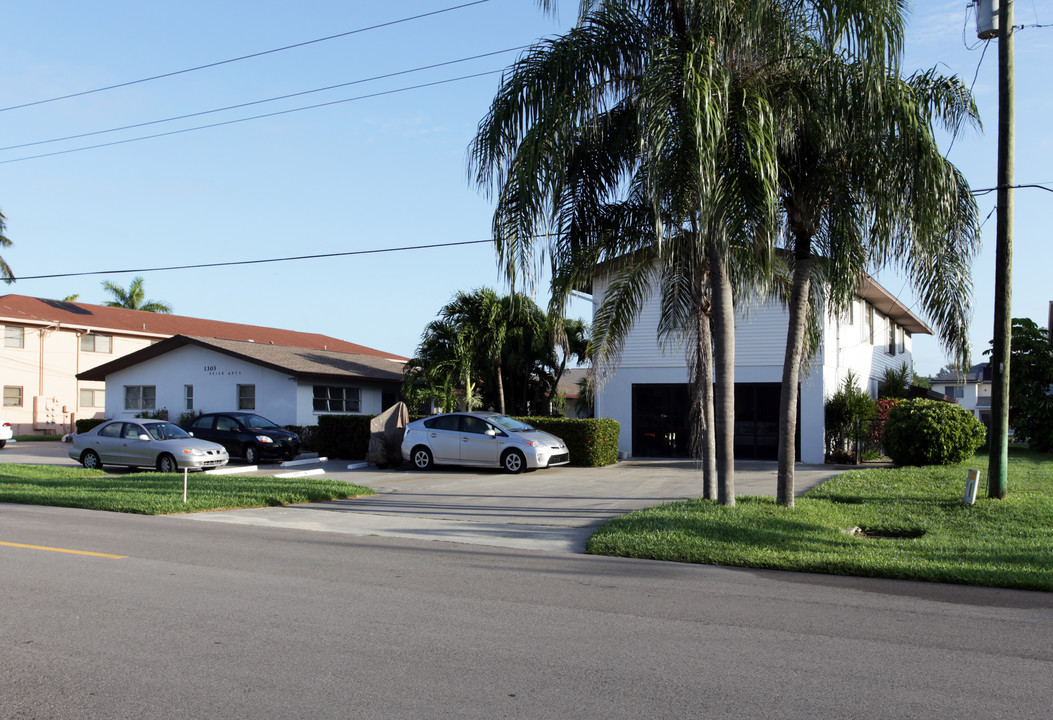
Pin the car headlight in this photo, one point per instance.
(264, 438)
(532, 443)
(193, 451)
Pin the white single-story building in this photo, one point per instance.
(648, 391)
(289, 385)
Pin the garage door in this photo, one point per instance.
(661, 416)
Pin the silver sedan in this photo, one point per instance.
(145, 443)
(484, 439)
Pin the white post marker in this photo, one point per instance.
(184, 485)
(971, 484)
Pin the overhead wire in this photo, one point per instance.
(243, 57)
(254, 117)
(265, 100)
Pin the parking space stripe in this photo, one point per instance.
(63, 550)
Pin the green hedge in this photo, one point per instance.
(86, 424)
(343, 436)
(592, 442)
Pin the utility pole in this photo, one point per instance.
(1003, 318)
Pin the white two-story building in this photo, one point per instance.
(648, 392)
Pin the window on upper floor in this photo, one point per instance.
(868, 323)
(14, 336)
(96, 343)
(891, 337)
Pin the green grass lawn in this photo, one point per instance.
(914, 523)
(152, 493)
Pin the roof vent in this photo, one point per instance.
(250, 340)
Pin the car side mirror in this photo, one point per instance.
(144, 436)
(492, 433)
(190, 433)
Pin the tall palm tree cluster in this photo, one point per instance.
(501, 353)
(716, 152)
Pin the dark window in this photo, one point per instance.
(331, 398)
(246, 397)
(112, 430)
(227, 424)
(474, 425)
(203, 423)
(444, 422)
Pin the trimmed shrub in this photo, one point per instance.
(343, 436)
(86, 424)
(308, 435)
(931, 432)
(592, 442)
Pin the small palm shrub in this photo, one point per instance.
(931, 432)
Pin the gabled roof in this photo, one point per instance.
(100, 318)
(869, 290)
(295, 361)
(976, 374)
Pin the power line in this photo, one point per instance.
(265, 100)
(256, 262)
(253, 117)
(243, 57)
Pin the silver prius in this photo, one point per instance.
(484, 439)
(145, 443)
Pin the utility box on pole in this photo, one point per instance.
(986, 19)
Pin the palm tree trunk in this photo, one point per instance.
(500, 386)
(724, 374)
(703, 437)
(791, 368)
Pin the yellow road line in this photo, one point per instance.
(62, 550)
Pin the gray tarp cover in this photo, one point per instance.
(385, 435)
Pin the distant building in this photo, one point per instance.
(971, 390)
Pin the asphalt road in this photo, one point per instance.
(554, 509)
(219, 620)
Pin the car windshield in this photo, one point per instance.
(509, 424)
(258, 423)
(166, 431)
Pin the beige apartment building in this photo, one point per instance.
(47, 343)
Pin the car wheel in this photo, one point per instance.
(513, 461)
(422, 459)
(166, 463)
(251, 454)
(2, 443)
(90, 459)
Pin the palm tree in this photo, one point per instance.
(483, 318)
(5, 269)
(442, 370)
(134, 298)
(864, 184)
(646, 129)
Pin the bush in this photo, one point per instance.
(930, 432)
(343, 436)
(308, 435)
(86, 424)
(847, 415)
(592, 442)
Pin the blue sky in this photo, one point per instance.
(367, 174)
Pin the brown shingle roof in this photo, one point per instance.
(38, 311)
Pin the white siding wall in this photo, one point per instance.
(760, 339)
(215, 378)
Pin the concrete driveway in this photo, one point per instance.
(554, 509)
